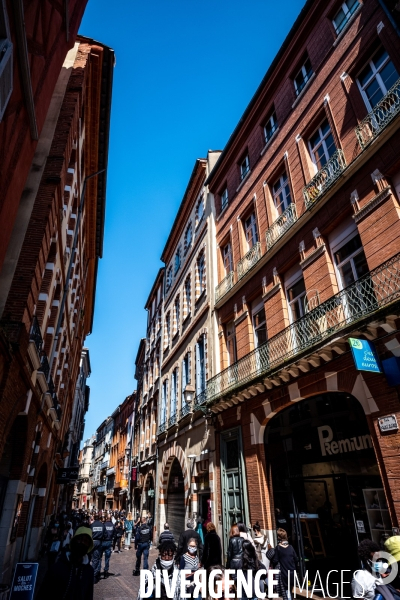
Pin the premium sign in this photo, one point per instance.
(364, 355)
(388, 423)
(23, 585)
(330, 446)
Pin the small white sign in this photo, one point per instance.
(360, 527)
(388, 423)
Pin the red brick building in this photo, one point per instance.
(34, 40)
(47, 311)
(308, 230)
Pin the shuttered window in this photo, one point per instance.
(200, 366)
(6, 60)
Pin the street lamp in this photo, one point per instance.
(188, 394)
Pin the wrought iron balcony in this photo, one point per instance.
(324, 178)
(225, 285)
(35, 335)
(172, 420)
(200, 399)
(376, 289)
(44, 366)
(281, 225)
(249, 260)
(381, 115)
(161, 428)
(185, 410)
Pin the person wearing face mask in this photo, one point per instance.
(165, 562)
(189, 561)
(365, 581)
(72, 576)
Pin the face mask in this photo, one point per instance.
(166, 564)
(378, 567)
(192, 550)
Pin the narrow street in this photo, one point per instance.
(121, 584)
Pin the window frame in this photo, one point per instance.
(231, 337)
(229, 256)
(177, 311)
(347, 259)
(177, 260)
(346, 11)
(253, 226)
(200, 365)
(376, 75)
(224, 195)
(200, 202)
(306, 76)
(275, 126)
(275, 194)
(168, 279)
(322, 143)
(187, 290)
(297, 299)
(201, 260)
(246, 170)
(256, 311)
(187, 243)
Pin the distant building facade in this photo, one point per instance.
(82, 492)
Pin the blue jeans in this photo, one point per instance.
(96, 557)
(142, 548)
(106, 549)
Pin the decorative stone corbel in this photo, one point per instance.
(354, 201)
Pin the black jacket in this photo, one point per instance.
(183, 542)
(143, 534)
(235, 552)
(212, 551)
(109, 530)
(97, 530)
(67, 581)
(166, 536)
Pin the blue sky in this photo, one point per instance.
(185, 72)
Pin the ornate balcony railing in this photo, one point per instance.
(381, 115)
(373, 291)
(249, 260)
(161, 428)
(44, 366)
(35, 335)
(185, 410)
(200, 399)
(324, 178)
(225, 285)
(172, 420)
(281, 225)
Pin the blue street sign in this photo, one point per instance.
(23, 585)
(365, 356)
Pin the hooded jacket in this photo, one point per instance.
(67, 580)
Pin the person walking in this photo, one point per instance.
(142, 545)
(250, 563)
(72, 575)
(235, 549)
(261, 544)
(128, 530)
(244, 533)
(118, 533)
(166, 535)
(365, 581)
(189, 561)
(165, 562)
(284, 557)
(184, 539)
(97, 528)
(212, 551)
(392, 545)
(106, 544)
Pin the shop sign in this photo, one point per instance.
(24, 581)
(134, 474)
(67, 474)
(388, 423)
(330, 446)
(360, 526)
(364, 355)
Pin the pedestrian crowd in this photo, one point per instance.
(75, 544)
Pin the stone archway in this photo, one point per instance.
(174, 452)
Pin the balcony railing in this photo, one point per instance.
(200, 399)
(172, 420)
(36, 335)
(373, 291)
(185, 410)
(281, 225)
(249, 260)
(225, 285)
(381, 115)
(324, 178)
(44, 366)
(161, 428)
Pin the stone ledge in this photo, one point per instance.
(271, 292)
(369, 207)
(313, 256)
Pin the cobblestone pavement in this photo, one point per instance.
(121, 585)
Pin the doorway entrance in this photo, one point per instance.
(327, 490)
(176, 508)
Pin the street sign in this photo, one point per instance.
(388, 423)
(364, 355)
(24, 581)
(67, 474)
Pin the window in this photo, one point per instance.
(167, 330)
(244, 167)
(350, 261)
(250, 230)
(270, 127)
(200, 210)
(168, 282)
(281, 193)
(224, 199)
(231, 343)
(177, 260)
(377, 78)
(344, 14)
(187, 297)
(164, 396)
(322, 145)
(260, 326)
(177, 310)
(185, 374)
(6, 61)
(188, 238)
(200, 365)
(174, 392)
(201, 274)
(227, 258)
(296, 296)
(303, 76)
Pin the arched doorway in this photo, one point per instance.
(327, 490)
(149, 495)
(176, 508)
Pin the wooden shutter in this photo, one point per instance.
(198, 369)
(184, 382)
